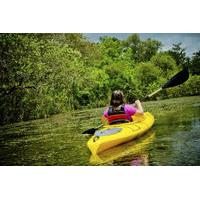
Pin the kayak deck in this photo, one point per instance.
(113, 135)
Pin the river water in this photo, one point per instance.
(174, 140)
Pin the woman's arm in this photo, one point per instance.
(139, 107)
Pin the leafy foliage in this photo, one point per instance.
(142, 51)
(178, 53)
(195, 63)
(45, 74)
(166, 63)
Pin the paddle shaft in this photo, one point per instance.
(155, 92)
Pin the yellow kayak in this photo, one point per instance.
(113, 135)
(132, 148)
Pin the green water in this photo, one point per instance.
(173, 140)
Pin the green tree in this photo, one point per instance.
(142, 51)
(111, 50)
(195, 63)
(133, 42)
(38, 76)
(121, 77)
(94, 89)
(178, 53)
(148, 77)
(149, 48)
(19, 73)
(166, 63)
(77, 41)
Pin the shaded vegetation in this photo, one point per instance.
(45, 74)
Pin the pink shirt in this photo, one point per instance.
(129, 110)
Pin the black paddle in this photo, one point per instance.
(178, 79)
(91, 131)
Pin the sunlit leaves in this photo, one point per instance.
(45, 74)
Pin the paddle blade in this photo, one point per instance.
(178, 79)
(90, 131)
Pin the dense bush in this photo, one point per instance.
(45, 74)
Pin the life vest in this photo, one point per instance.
(117, 116)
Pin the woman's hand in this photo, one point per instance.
(139, 106)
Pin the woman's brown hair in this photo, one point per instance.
(117, 98)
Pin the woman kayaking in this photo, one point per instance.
(119, 111)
